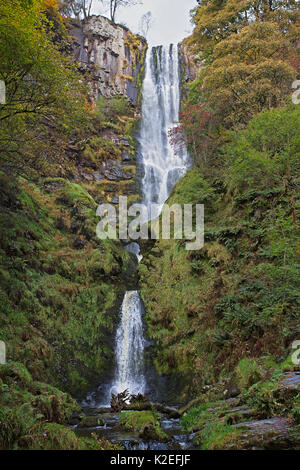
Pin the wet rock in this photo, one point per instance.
(91, 411)
(125, 142)
(126, 157)
(115, 173)
(50, 186)
(273, 433)
(75, 420)
(238, 414)
(98, 176)
(152, 433)
(291, 381)
(231, 389)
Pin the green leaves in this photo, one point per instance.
(267, 153)
(42, 85)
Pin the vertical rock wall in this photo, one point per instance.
(113, 56)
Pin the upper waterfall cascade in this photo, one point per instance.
(160, 112)
(162, 169)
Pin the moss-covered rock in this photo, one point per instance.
(146, 423)
(60, 303)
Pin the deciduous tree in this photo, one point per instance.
(114, 5)
(146, 23)
(216, 20)
(249, 73)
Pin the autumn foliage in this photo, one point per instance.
(250, 56)
(195, 130)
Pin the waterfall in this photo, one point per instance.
(160, 112)
(162, 169)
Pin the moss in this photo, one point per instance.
(14, 372)
(248, 373)
(197, 417)
(70, 194)
(269, 397)
(146, 423)
(25, 407)
(217, 436)
(58, 302)
(56, 437)
(208, 309)
(100, 149)
(213, 432)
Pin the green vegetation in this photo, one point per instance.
(212, 431)
(113, 108)
(60, 287)
(146, 423)
(30, 412)
(247, 372)
(226, 314)
(238, 297)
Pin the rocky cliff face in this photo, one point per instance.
(113, 55)
(190, 66)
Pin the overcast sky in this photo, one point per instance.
(171, 19)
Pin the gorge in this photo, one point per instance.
(161, 168)
(205, 341)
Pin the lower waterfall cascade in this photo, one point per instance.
(130, 347)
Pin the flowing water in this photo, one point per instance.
(160, 112)
(162, 169)
(130, 345)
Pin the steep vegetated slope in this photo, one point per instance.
(239, 295)
(65, 148)
(237, 298)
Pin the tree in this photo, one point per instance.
(114, 5)
(196, 131)
(146, 23)
(77, 8)
(249, 73)
(41, 83)
(216, 20)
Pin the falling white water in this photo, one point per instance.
(130, 347)
(160, 112)
(162, 169)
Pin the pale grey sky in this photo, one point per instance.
(171, 19)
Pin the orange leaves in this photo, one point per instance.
(50, 5)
